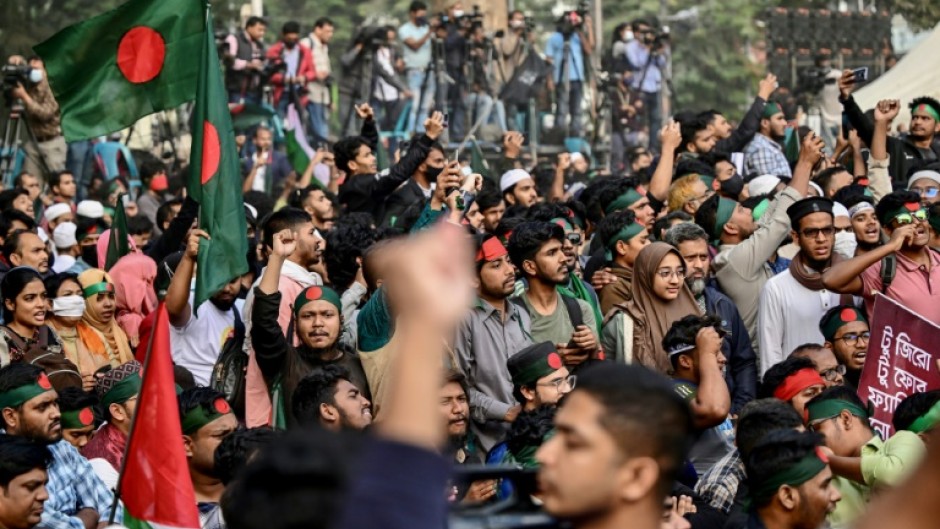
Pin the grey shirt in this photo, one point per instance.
(483, 344)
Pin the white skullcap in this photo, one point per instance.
(90, 208)
(838, 210)
(921, 175)
(56, 210)
(64, 235)
(511, 178)
(762, 185)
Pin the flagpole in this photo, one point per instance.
(130, 433)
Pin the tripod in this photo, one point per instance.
(367, 65)
(435, 67)
(564, 97)
(10, 148)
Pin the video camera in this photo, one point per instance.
(657, 40)
(572, 21)
(518, 511)
(12, 75)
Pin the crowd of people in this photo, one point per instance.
(677, 342)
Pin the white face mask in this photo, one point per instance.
(35, 76)
(69, 306)
(458, 13)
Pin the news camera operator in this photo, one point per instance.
(45, 146)
(245, 64)
(363, 66)
(512, 47)
(570, 45)
(480, 100)
(292, 67)
(649, 54)
(818, 91)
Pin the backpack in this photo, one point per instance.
(571, 305)
(228, 374)
(889, 268)
(61, 371)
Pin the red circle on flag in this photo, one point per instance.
(140, 54)
(847, 315)
(211, 151)
(554, 361)
(912, 206)
(222, 406)
(314, 293)
(86, 417)
(43, 382)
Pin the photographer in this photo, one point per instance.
(245, 62)
(511, 48)
(366, 74)
(319, 87)
(819, 90)
(480, 101)
(649, 54)
(292, 64)
(416, 35)
(388, 98)
(46, 153)
(569, 45)
(455, 59)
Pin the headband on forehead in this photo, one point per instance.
(625, 234)
(830, 326)
(97, 288)
(200, 416)
(859, 208)
(725, 210)
(75, 419)
(797, 382)
(316, 293)
(765, 486)
(905, 209)
(929, 110)
(491, 250)
(826, 409)
(624, 201)
(927, 421)
(17, 396)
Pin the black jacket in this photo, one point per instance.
(741, 374)
(904, 154)
(367, 193)
(403, 206)
(745, 131)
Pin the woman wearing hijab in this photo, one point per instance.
(634, 332)
(98, 290)
(102, 247)
(135, 298)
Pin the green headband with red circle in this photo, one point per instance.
(17, 396)
(317, 293)
(76, 419)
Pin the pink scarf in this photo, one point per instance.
(133, 277)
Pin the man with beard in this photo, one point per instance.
(916, 149)
(462, 446)
(198, 338)
(741, 375)
(623, 239)
(295, 276)
(764, 154)
(538, 377)
(862, 462)
(622, 436)
(828, 367)
(846, 331)
(117, 392)
(745, 246)
(327, 397)
(318, 203)
(206, 419)
(790, 482)
(317, 321)
(493, 331)
(792, 302)
(536, 250)
(694, 347)
(23, 475)
(518, 188)
(916, 268)
(78, 499)
(730, 139)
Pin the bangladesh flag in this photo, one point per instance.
(247, 115)
(215, 180)
(299, 151)
(477, 161)
(117, 240)
(111, 70)
(155, 485)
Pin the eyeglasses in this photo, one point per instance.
(574, 238)
(560, 383)
(909, 218)
(813, 233)
(929, 192)
(832, 374)
(814, 426)
(852, 338)
(666, 273)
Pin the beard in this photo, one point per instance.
(224, 306)
(41, 434)
(697, 286)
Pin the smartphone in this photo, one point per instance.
(860, 74)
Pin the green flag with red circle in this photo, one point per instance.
(115, 68)
(215, 179)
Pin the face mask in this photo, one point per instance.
(421, 22)
(433, 172)
(90, 255)
(458, 13)
(290, 45)
(35, 76)
(69, 306)
(516, 24)
(733, 186)
(627, 36)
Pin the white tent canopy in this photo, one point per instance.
(917, 74)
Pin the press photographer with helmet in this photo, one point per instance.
(45, 146)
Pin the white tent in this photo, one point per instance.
(917, 74)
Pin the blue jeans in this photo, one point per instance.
(319, 120)
(569, 104)
(652, 102)
(418, 115)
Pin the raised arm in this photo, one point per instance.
(845, 277)
(177, 295)
(712, 401)
(670, 137)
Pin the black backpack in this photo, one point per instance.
(889, 268)
(228, 375)
(571, 305)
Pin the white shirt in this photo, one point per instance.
(62, 263)
(788, 317)
(197, 344)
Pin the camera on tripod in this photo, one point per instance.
(657, 39)
(14, 74)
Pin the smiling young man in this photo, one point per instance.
(792, 302)
(23, 476)
(492, 332)
(622, 436)
(916, 267)
(29, 408)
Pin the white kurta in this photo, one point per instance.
(788, 317)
